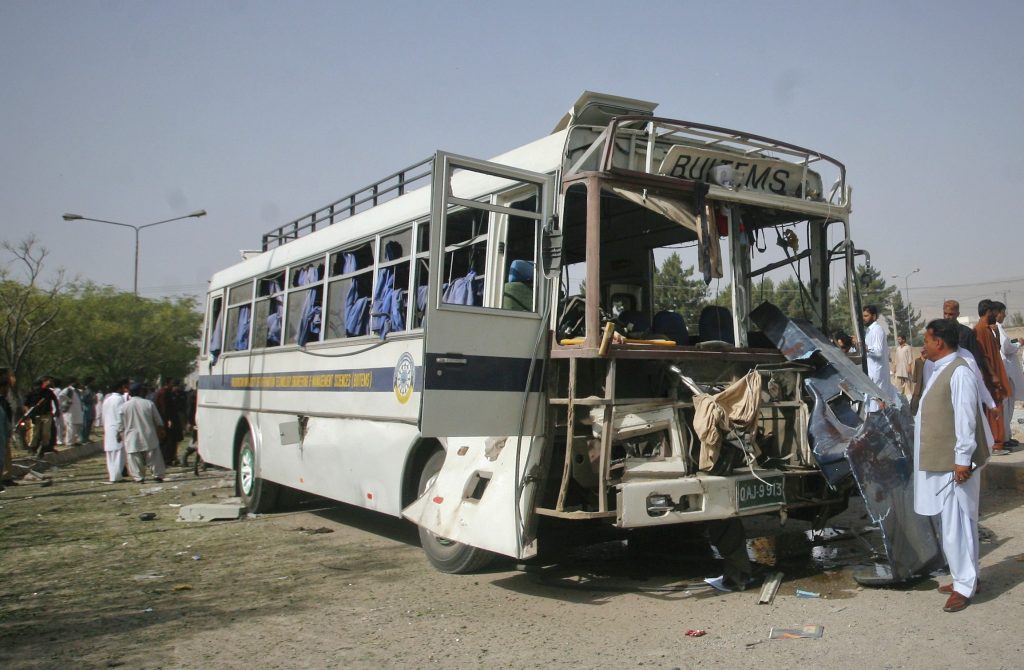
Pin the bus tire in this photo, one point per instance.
(446, 555)
(258, 495)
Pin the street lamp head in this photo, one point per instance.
(198, 213)
(73, 217)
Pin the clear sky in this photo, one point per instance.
(260, 112)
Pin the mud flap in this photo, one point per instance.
(474, 498)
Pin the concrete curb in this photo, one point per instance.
(62, 456)
(1004, 472)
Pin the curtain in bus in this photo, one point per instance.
(274, 316)
(242, 329)
(309, 321)
(462, 291)
(215, 337)
(386, 310)
(357, 315)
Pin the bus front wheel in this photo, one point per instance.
(444, 554)
(258, 495)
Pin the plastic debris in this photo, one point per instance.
(812, 631)
(696, 633)
(197, 557)
(800, 593)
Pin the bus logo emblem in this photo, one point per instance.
(405, 375)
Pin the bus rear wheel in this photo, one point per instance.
(444, 554)
(258, 495)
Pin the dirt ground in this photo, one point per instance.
(87, 584)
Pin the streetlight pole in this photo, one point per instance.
(79, 217)
(906, 299)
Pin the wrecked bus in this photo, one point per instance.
(478, 345)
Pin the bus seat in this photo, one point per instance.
(671, 325)
(635, 322)
(716, 324)
(518, 292)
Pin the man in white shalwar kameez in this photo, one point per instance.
(1009, 349)
(951, 438)
(71, 411)
(113, 446)
(876, 348)
(140, 421)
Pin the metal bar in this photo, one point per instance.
(570, 435)
(593, 299)
(606, 438)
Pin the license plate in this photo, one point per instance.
(754, 492)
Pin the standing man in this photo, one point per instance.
(71, 410)
(41, 406)
(903, 367)
(88, 398)
(950, 440)
(876, 348)
(1008, 349)
(141, 427)
(113, 446)
(6, 423)
(166, 404)
(993, 371)
(966, 339)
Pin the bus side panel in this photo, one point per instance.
(217, 433)
(354, 461)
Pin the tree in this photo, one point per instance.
(27, 308)
(676, 289)
(109, 335)
(888, 299)
(1015, 320)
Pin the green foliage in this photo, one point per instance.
(86, 330)
(888, 299)
(676, 289)
(109, 335)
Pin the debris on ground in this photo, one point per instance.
(770, 588)
(314, 531)
(147, 516)
(800, 593)
(812, 631)
(696, 633)
(210, 512)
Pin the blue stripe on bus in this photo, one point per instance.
(480, 373)
(375, 380)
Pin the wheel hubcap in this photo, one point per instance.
(247, 470)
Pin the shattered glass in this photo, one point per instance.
(876, 449)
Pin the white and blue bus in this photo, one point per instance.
(475, 345)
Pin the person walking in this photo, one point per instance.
(166, 404)
(1008, 349)
(876, 348)
(903, 367)
(141, 428)
(42, 408)
(113, 444)
(6, 423)
(951, 440)
(71, 411)
(88, 397)
(994, 372)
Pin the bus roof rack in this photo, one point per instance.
(382, 190)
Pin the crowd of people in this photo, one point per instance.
(141, 428)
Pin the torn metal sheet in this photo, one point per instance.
(875, 449)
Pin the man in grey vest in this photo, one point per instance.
(951, 440)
